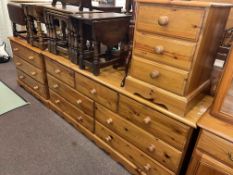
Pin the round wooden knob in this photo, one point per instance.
(21, 77)
(109, 121)
(147, 120)
(57, 71)
(16, 49)
(154, 74)
(31, 58)
(108, 138)
(79, 101)
(57, 101)
(35, 87)
(80, 118)
(33, 73)
(159, 49)
(147, 167)
(163, 20)
(93, 91)
(55, 86)
(18, 64)
(151, 148)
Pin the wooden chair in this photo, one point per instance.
(17, 17)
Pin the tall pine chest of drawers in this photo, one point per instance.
(175, 43)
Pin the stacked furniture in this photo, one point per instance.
(58, 27)
(175, 43)
(108, 29)
(134, 131)
(147, 135)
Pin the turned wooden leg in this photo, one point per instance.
(40, 34)
(81, 47)
(96, 66)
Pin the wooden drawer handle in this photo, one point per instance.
(57, 71)
(159, 49)
(57, 101)
(109, 121)
(93, 91)
(163, 20)
(31, 58)
(108, 138)
(230, 155)
(16, 49)
(21, 77)
(55, 86)
(151, 148)
(18, 64)
(147, 120)
(147, 167)
(35, 87)
(154, 74)
(33, 73)
(80, 118)
(79, 101)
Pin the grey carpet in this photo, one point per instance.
(36, 141)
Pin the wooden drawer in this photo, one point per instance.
(174, 52)
(71, 95)
(156, 123)
(145, 165)
(166, 100)
(60, 72)
(29, 55)
(39, 88)
(71, 110)
(154, 147)
(162, 76)
(32, 71)
(217, 147)
(181, 22)
(96, 91)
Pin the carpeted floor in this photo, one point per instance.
(36, 141)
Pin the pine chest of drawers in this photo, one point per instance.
(30, 68)
(175, 43)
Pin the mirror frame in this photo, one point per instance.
(222, 89)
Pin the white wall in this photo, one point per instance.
(5, 24)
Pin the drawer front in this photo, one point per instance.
(162, 76)
(28, 55)
(216, 147)
(60, 72)
(154, 147)
(145, 165)
(72, 111)
(96, 91)
(32, 71)
(181, 22)
(77, 99)
(156, 123)
(173, 52)
(160, 97)
(33, 84)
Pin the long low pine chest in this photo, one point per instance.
(135, 132)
